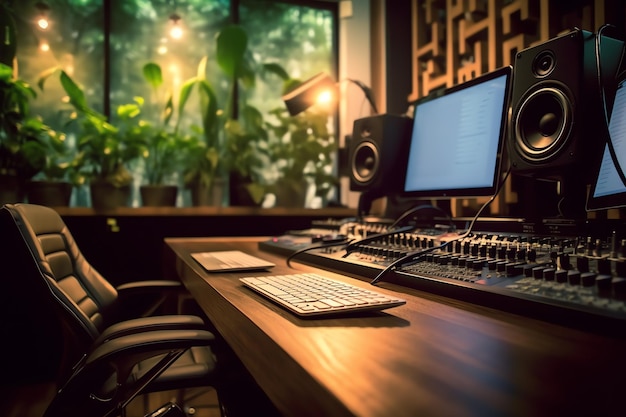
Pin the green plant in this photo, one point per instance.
(246, 138)
(103, 153)
(17, 127)
(50, 153)
(302, 148)
(163, 149)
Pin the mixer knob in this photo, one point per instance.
(548, 274)
(564, 261)
(582, 264)
(477, 264)
(466, 248)
(510, 253)
(588, 279)
(619, 287)
(532, 255)
(573, 277)
(514, 268)
(561, 275)
(537, 272)
(604, 266)
(603, 284)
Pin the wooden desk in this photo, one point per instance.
(431, 357)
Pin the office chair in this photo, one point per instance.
(105, 363)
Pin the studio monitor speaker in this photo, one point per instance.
(378, 153)
(557, 122)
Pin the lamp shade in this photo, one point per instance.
(308, 93)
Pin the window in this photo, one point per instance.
(104, 45)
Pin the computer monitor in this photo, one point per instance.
(457, 139)
(608, 190)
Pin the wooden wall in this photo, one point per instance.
(456, 40)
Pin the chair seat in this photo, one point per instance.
(196, 367)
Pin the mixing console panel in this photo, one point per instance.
(578, 280)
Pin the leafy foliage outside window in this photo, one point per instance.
(300, 38)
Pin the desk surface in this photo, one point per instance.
(432, 356)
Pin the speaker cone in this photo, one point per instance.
(365, 161)
(542, 124)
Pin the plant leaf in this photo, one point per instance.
(232, 42)
(152, 73)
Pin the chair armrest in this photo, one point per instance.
(148, 324)
(148, 298)
(152, 285)
(100, 384)
(145, 345)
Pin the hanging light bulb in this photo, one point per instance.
(42, 18)
(44, 46)
(176, 30)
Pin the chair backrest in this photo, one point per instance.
(83, 297)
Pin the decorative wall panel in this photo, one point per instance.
(456, 40)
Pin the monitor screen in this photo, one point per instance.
(457, 139)
(608, 189)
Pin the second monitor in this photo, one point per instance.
(457, 139)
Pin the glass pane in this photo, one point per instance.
(144, 31)
(73, 41)
(301, 40)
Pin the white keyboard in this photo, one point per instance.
(312, 294)
(230, 260)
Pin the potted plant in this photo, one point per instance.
(246, 138)
(166, 151)
(204, 151)
(55, 163)
(302, 150)
(103, 153)
(17, 128)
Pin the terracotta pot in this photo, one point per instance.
(158, 195)
(49, 193)
(105, 196)
(209, 196)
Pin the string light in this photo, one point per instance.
(42, 19)
(176, 30)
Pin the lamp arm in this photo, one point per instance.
(369, 95)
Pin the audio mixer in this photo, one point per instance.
(557, 273)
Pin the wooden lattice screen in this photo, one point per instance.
(454, 41)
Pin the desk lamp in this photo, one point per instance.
(319, 89)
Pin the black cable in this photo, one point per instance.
(392, 230)
(369, 95)
(322, 246)
(418, 208)
(351, 246)
(611, 147)
(414, 256)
